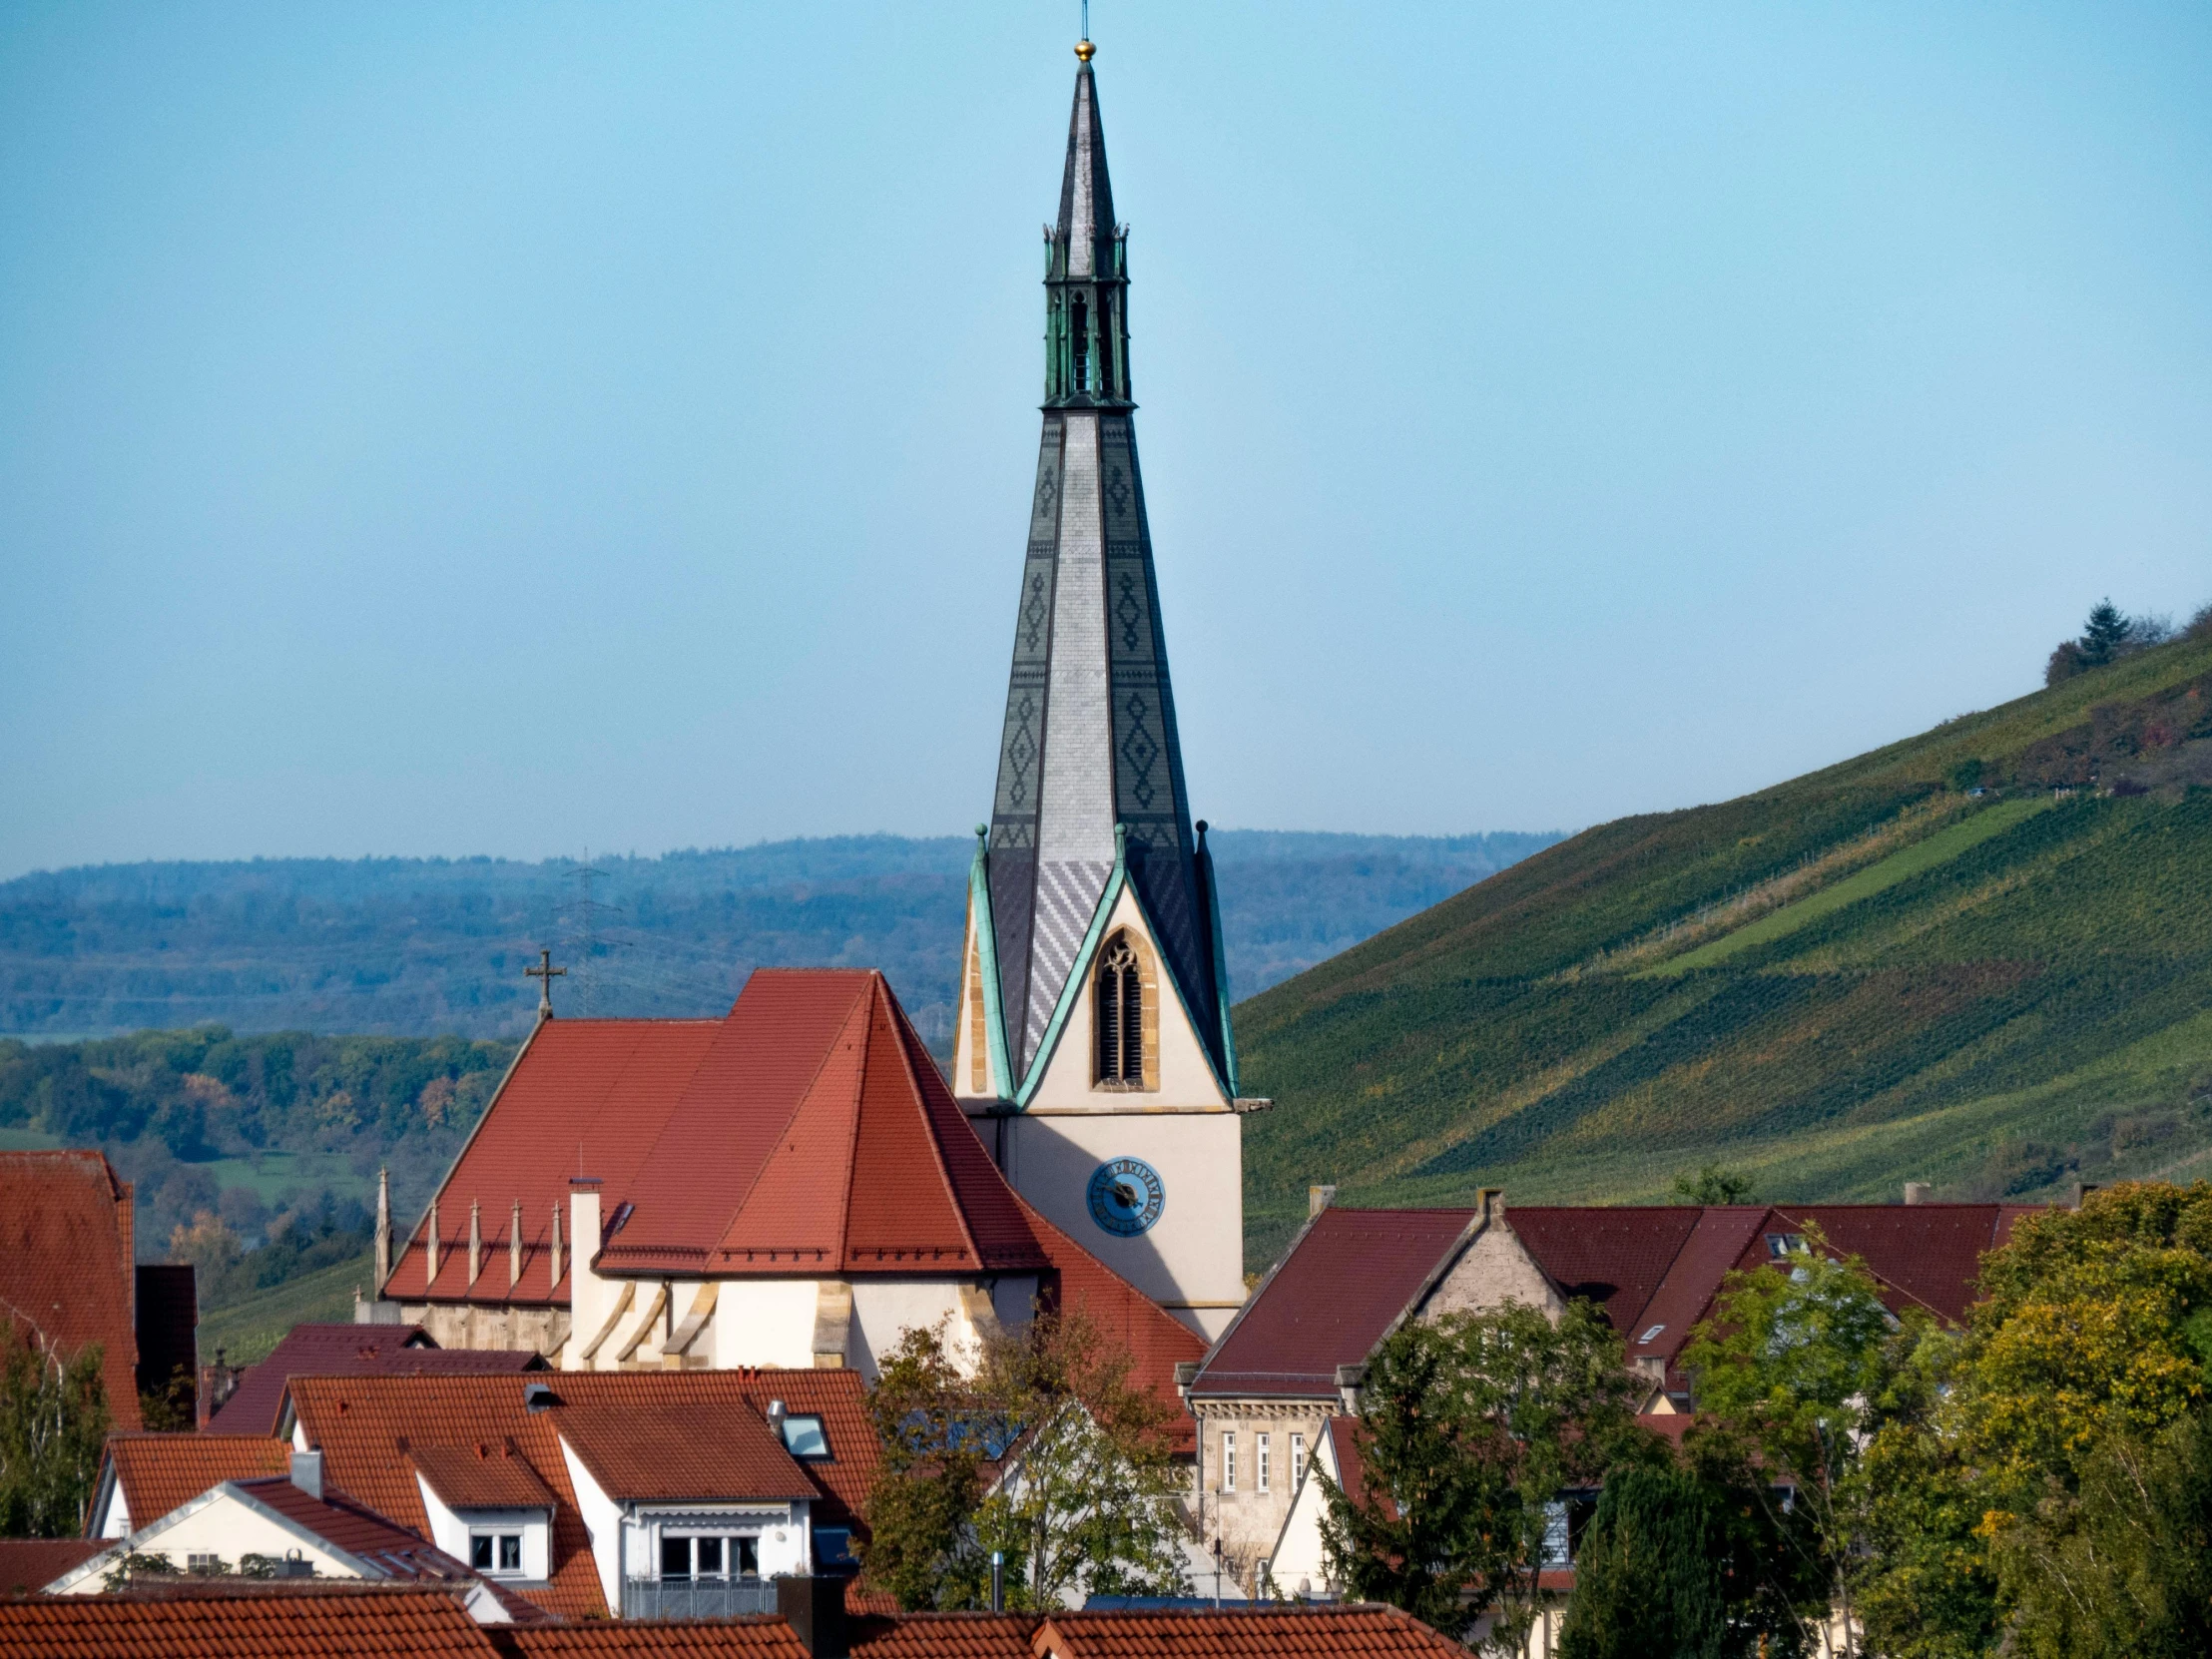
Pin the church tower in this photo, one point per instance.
(1094, 1047)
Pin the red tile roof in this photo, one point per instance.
(348, 1525)
(761, 1634)
(281, 1621)
(1329, 1300)
(159, 1472)
(65, 1262)
(348, 1351)
(806, 1129)
(485, 1475)
(943, 1635)
(32, 1563)
(1264, 1631)
(700, 1434)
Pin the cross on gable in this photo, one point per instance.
(546, 974)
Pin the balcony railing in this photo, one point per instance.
(695, 1598)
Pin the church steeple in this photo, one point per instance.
(1086, 270)
(1091, 798)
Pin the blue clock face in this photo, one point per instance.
(1127, 1196)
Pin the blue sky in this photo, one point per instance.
(441, 429)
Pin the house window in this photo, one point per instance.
(495, 1552)
(1297, 1462)
(686, 1556)
(1229, 1461)
(804, 1438)
(1120, 1015)
(1264, 1457)
(1780, 1245)
(202, 1562)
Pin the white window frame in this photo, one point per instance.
(1262, 1448)
(1228, 1459)
(498, 1538)
(1297, 1462)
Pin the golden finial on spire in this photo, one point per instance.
(1084, 49)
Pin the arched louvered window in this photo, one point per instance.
(1079, 343)
(1120, 1021)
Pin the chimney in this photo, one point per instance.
(1319, 1199)
(1489, 1204)
(555, 1280)
(1186, 1374)
(1348, 1382)
(475, 1240)
(515, 1247)
(384, 1229)
(430, 1244)
(1915, 1191)
(814, 1609)
(306, 1473)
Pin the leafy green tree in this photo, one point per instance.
(1038, 1446)
(1715, 1185)
(1473, 1428)
(53, 1423)
(1788, 1374)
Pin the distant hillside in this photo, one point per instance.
(1981, 958)
(413, 946)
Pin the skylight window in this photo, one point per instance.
(1780, 1245)
(1648, 1335)
(804, 1438)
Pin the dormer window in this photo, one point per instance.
(1120, 1015)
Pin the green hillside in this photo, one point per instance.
(1867, 975)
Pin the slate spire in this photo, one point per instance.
(1089, 744)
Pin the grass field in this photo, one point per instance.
(1848, 980)
(247, 1329)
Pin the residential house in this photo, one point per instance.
(640, 1493)
(144, 1476)
(292, 1525)
(1293, 1360)
(69, 1277)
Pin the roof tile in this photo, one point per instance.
(188, 1622)
(348, 1351)
(66, 1262)
(159, 1472)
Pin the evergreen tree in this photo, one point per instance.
(2106, 634)
(1651, 1578)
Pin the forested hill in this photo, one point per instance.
(1981, 958)
(424, 945)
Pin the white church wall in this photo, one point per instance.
(1191, 1260)
(885, 1308)
(763, 1322)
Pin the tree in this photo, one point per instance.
(1039, 1446)
(1672, 1568)
(2106, 635)
(1787, 1375)
(1473, 1428)
(53, 1423)
(1715, 1185)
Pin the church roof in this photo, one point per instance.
(806, 1131)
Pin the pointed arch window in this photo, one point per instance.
(1079, 341)
(1119, 1021)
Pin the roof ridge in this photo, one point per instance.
(894, 1016)
(798, 1104)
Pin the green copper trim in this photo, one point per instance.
(986, 949)
(1079, 976)
(1220, 964)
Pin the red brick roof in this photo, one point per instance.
(1329, 1300)
(1264, 1631)
(486, 1475)
(761, 1634)
(282, 1621)
(701, 1435)
(32, 1563)
(65, 1262)
(159, 1472)
(348, 1351)
(807, 1129)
